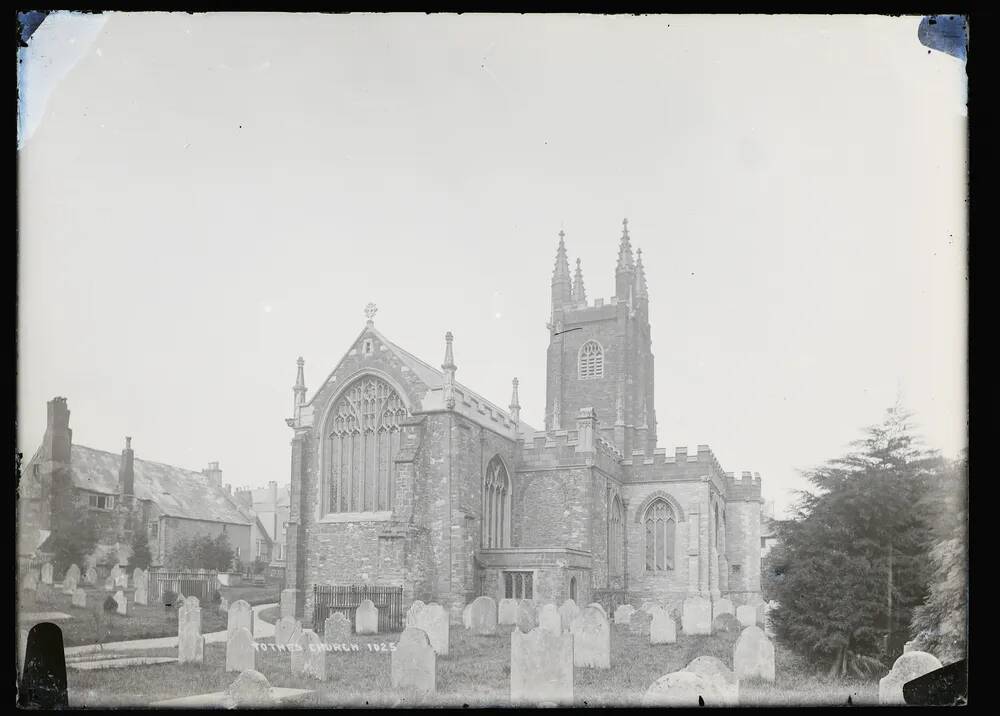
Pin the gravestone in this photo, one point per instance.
(239, 616)
(467, 617)
(284, 630)
(190, 642)
(250, 689)
(414, 664)
(412, 612)
(541, 666)
(115, 573)
(591, 640)
(193, 606)
(80, 598)
(122, 603)
(683, 688)
(696, 617)
(109, 585)
(433, 619)
(240, 651)
(483, 616)
(722, 606)
(47, 573)
(30, 581)
(91, 576)
(43, 681)
(288, 603)
(309, 660)
(549, 619)
(366, 618)
(69, 584)
(753, 655)
(909, 666)
(568, 611)
(137, 574)
(639, 622)
(527, 619)
(507, 611)
(336, 629)
(623, 614)
(140, 580)
(121, 581)
(746, 615)
(712, 667)
(73, 572)
(662, 629)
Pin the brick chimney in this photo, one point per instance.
(244, 496)
(126, 473)
(213, 473)
(58, 437)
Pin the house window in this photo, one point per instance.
(496, 505)
(591, 360)
(260, 548)
(517, 585)
(660, 525)
(363, 434)
(102, 502)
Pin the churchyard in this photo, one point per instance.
(475, 671)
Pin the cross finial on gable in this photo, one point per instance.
(370, 310)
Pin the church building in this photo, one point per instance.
(403, 477)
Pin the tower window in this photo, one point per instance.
(591, 363)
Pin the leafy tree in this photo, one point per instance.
(141, 556)
(850, 566)
(202, 552)
(71, 542)
(259, 565)
(940, 623)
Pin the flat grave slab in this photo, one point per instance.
(217, 699)
(42, 616)
(95, 664)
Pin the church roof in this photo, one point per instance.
(176, 491)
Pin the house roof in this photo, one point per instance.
(176, 491)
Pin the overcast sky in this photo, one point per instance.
(203, 198)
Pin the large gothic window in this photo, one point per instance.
(496, 505)
(591, 360)
(660, 526)
(364, 436)
(616, 532)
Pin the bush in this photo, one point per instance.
(110, 604)
(169, 597)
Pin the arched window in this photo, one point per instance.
(572, 588)
(660, 525)
(591, 360)
(364, 430)
(616, 543)
(496, 505)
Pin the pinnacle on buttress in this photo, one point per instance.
(579, 293)
(299, 390)
(515, 404)
(449, 369)
(449, 358)
(641, 290)
(625, 261)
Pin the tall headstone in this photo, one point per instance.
(623, 614)
(753, 655)
(240, 651)
(80, 598)
(685, 688)
(250, 689)
(414, 664)
(527, 619)
(47, 573)
(713, 667)
(412, 612)
(591, 640)
(122, 603)
(662, 629)
(433, 619)
(140, 579)
(239, 616)
(194, 608)
(549, 619)
(190, 642)
(746, 614)
(366, 618)
(336, 629)
(696, 617)
(507, 611)
(73, 572)
(568, 611)
(285, 630)
(309, 660)
(907, 667)
(541, 666)
(483, 616)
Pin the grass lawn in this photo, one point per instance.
(254, 594)
(142, 622)
(476, 672)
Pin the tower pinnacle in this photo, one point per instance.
(579, 293)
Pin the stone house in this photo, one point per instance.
(270, 505)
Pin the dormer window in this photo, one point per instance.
(591, 360)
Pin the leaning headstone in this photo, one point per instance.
(483, 616)
(753, 655)
(467, 616)
(746, 615)
(240, 651)
(336, 629)
(662, 629)
(696, 617)
(414, 664)
(527, 619)
(250, 689)
(541, 666)
(433, 619)
(284, 630)
(591, 640)
(122, 603)
(712, 667)
(507, 611)
(90, 576)
(685, 688)
(366, 618)
(721, 606)
(80, 598)
(309, 659)
(239, 616)
(412, 612)
(47, 573)
(909, 666)
(639, 622)
(190, 642)
(568, 611)
(549, 619)
(623, 614)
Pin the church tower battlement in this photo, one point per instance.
(600, 353)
